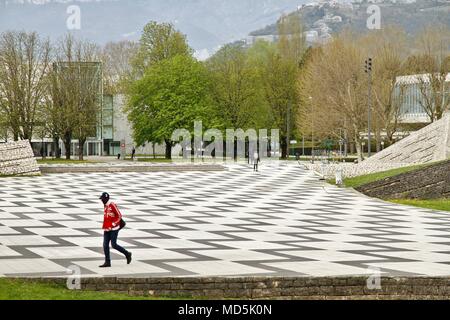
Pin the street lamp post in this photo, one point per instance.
(288, 138)
(303, 145)
(368, 70)
(312, 129)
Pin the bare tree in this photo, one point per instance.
(336, 88)
(116, 57)
(434, 43)
(3, 126)
(54, 113)
(24, 62)
(78, 91)
(387, 48)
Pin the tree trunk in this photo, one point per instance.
(352, 148)
(153, 147)
(390, 138)
(67, 144)
(359, 150)
(27, 135)
(378, 140)
(284, 148)
(168, 149)
(81, 143)
(56, 147)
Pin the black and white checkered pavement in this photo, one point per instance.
(281, 221)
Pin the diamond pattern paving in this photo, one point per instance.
(281, 221)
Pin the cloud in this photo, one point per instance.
(202, 54)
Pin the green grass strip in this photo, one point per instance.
(439, 204)
(17, 289)
(356, 182)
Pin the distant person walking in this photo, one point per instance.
(112, 224)
(133, 153)
(256, 161)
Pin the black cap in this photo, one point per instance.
(104, 195)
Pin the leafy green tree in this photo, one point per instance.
(280, 65)
(171, 95)
(159, 41)
(238, 88)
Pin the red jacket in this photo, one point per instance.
(112, 217)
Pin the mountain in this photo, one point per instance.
(208, 24)
(325, 18)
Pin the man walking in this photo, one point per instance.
(111, 226)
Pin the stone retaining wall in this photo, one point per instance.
(273, 288)
(17, 158)
(432, 182)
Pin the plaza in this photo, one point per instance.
(282, 221)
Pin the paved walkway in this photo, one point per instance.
(279, 222)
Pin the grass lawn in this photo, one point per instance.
(362, 180)
(439, 204)
(62, 161)
(15, 289)
(157, 160)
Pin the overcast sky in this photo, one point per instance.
(207, 23)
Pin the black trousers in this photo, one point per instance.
(111, 237)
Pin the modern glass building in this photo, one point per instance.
(111, 131)
(409, 90)
(101, 143)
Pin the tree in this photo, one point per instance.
(53, 114)
(116, 57)
(171, 95)
(24, 62)
(159, 41)
(280, 70)
(90, 100)
(77, 91)
(237, 88)
(3, 126)
(387, 48)
(336, 88)
(434, 62)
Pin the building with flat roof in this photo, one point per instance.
(113, 131)
(410, 89)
